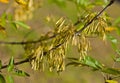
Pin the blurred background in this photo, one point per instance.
(100, 50)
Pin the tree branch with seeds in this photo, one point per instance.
(53, 36)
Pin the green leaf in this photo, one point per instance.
(117, 24)
(118, 30)
(91, 62)
(117, 21)
(2, 79)
(10, 19)
(21, 73)
(111, 71)
(87, 61)
(9, 79)
(81, 25)
(117, 59)
(98, 2)
(60, 3)
(101, 2)
(13, 25)
(113, 41)
(3, 19)
(83, 2)
(118, 51)
(11, 64)
(22, 24)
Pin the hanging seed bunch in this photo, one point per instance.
(82, 44)
(24, 9)
(38, 62)
(56, 59)
(64, 33)
(97, 27)
(51, 53)
(36, 52)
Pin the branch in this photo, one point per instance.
(75, 24)
(27, 42)
(94, 18)
(17, 63)
(27, 60)
(77, 32)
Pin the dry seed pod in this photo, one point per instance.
(55, 58)
(23, 10)
(97, 28)
(83, 46)
(58, 23)
(55, 50)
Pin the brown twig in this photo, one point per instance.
(77, 32)
(17, 63)
(27, 60)
(27, 42)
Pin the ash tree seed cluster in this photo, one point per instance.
(49, 51)
(52, 53)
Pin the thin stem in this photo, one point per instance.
(27, 42)
(17, 63)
